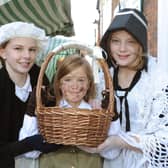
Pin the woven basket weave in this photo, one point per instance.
(72, 126)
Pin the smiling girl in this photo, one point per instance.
(20, 43)
(141, 96)
(73, 88)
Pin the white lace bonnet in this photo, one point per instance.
(23, 29)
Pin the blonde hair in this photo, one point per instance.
(140, 61)
(67, 65)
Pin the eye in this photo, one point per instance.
(115, 40)
(18, 48)
(33, 49)
(81, 80)
(132, 41)
(66, 80)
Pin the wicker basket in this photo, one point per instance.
(72, 126)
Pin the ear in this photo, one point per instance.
(2, 53)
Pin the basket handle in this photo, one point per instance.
(92, 51)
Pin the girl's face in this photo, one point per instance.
(19, 55)
(124, 48)
(74, 86)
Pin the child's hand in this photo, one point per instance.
(110, 143)
(88, 149)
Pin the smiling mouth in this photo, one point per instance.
(75, 93)
(25, 64)
(123, 56)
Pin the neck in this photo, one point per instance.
(75, 105)
(18, 78)
(125, 76)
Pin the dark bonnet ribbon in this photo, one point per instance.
(117, 87)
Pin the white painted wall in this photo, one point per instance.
(163, 34)
(107, 15)
(84, 13)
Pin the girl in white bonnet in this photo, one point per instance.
(20, 43)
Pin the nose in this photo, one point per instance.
(26, 54)
(74, 84)
(123, 46)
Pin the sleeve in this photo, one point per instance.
(110, 154)
(153, 141)
(8, 148)
(114, 126)
(113, 130)
(30, 123)
(14, 149)
(29, 128)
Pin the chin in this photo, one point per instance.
(24, 71)
(123, 65)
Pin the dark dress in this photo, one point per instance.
(12, 111)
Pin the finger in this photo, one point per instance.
(81, 147)
(103, 146)
(88, 149)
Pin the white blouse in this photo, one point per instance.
(148, 109)
(23, 92)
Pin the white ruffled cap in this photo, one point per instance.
(23, 29)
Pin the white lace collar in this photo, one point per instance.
(83, 104)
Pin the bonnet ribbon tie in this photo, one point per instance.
(124, 97)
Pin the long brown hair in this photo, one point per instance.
(67, 65)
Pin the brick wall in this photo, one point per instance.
(150, 11)
(114, 4)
